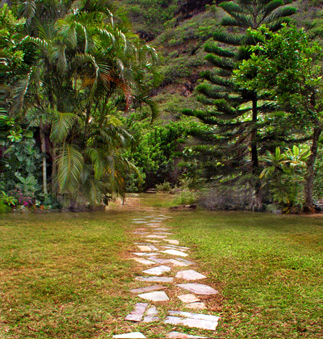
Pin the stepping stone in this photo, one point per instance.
(197, 306)
(189, 275)
(170, 241)
(154, 296)
(140, 222)
(161, 261)
(138, 312)
(178, 335)
(151, 315)
(162, 229)
(144, 254)
(132, 335)
(159, 270)
(147, 289)
(155, 236)
(140, 232)
(152, 247)
(175, 252)
(174, 247)
(203, 321)
(188, 298)
(144, 248)
(144, 261)
(184, 261)
(154, 241)
(198, 288)
(178, 262)
(155, 279)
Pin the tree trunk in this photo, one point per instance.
(43, 151)
(309, 176)
(256, 203)
(54, 171)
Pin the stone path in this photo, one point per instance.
(168, 272)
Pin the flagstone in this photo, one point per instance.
(197, 306)
(152, 247)
(193, 323)
(178, 262)
(150, 319)
(155, 279)
(175, 252)
(144, 254)
(144, 248)
(132, 335)
(154, 296)
(156, 236)
(152, 310)
(189, 275)
(188, 298)
(208, 317)
(170, 241)
(144, 261)
(147, 289)
(174, 247)
(138, 312)
(157, 270)
(184, 261)
(154, 241)
(198, 288)
(178, 335)
(161, 261)
(140, 222)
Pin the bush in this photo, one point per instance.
(164, 187)
(186, 197)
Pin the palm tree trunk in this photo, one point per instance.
(309, 176)
(256, 203)
(43, 151)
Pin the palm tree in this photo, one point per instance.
(87, 61)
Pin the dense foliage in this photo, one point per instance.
(81, 93)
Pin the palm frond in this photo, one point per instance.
(70, 165)
(62, 124)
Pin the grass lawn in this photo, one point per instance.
(268, 269)
(68, 275)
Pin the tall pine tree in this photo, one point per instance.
(234, 119)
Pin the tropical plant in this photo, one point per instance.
(85, 62)
(287, 67)
(284, 174)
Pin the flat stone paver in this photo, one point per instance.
(190, 275)
(198, 288)
(188, 298)
(138, 312)
(147, 289)
(171, 241)
(133, 335)
(154, 296)
(156, 236)
(195, 320)
(151, 315)
(144, 261)
(175, 252)
(197, 306)
(178, 335)
(159, 270)
(142, 254)
(155, 279)
(144, 248)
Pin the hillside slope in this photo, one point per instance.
(179, 30)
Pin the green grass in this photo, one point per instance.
(62, 275)
(268, 268)
(68, 275)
